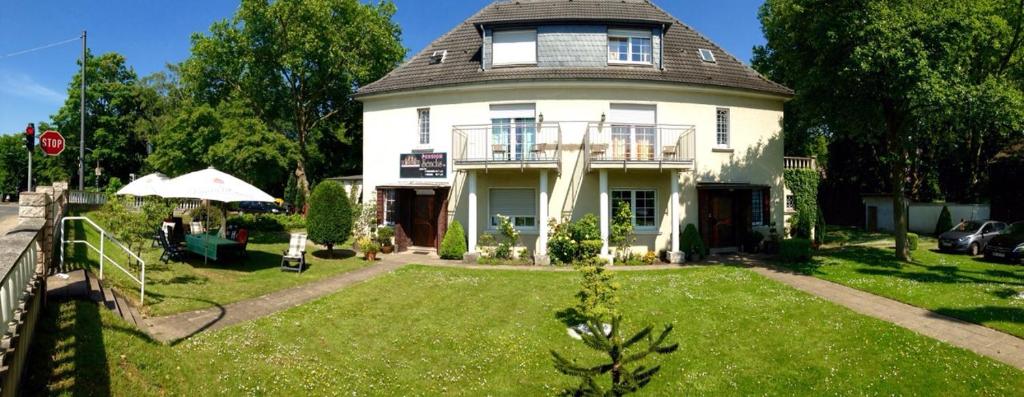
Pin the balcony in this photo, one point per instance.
(639, 146)
(800, 163)
(509, 145)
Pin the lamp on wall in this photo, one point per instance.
(541, 118)
(602, 117)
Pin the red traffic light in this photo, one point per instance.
(30, 130)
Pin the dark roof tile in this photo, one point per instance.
(464, 44)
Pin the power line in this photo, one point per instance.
(40, 48)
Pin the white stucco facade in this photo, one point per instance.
(754, 155)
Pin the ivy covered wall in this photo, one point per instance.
(803, 184)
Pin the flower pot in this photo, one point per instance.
(387, 249)
(370, 256)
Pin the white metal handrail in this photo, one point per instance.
(104, 236)
(507, 143)
(87, 198)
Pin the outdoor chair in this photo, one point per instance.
(242, 237)
(171, 252)
(296, 253)
(668, 152)
(197, 228)
(499, 151)
(598, 149)
(539, 151)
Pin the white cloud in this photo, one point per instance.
(22, 86)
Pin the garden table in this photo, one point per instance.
(211, 246)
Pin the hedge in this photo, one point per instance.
(268, 222)
(945, 222)
(329, 221)
(912, 240)
(795, 250)
(803, 184)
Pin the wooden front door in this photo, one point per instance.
(424, 218)
(724, 216)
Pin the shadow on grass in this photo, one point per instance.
(986, 314)
(570, 317)
(67, 355)
(338, 254)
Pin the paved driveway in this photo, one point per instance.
(8, 216)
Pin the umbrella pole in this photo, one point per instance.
(206, 235)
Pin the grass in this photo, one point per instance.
(956, 285)
(182, 286)
(397, 334)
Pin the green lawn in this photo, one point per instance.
(956, 285)
(182, 286)
(444, 331)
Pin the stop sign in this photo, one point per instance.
(52, 143)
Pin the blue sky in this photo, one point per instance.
(151, 34)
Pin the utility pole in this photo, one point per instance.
(81, 127)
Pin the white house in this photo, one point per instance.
(542, 109)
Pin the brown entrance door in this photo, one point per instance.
(724, 215)
(424, 218)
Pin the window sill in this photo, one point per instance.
(651, 232)
(625, 63)
(512, 65)
(722, 150)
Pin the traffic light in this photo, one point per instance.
(30, 137)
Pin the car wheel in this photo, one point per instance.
(973, 249)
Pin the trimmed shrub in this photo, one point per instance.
(589, 249)
(454, 244)
(912, 240)
(945, 222)
(330, 215)
(587, 228)
(691, 244)
(795, 250)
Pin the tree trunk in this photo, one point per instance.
(898, 171)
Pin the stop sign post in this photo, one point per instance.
(52, 143)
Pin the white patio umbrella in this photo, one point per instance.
(211, 184)
(149, 185)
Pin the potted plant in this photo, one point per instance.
(370, 248)
(384, 237)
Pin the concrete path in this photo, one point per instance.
(979, 339)
(178, 326)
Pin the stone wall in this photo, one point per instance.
(37, 233)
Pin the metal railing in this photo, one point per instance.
(104, 237)
(18, 274)
(183, 204)
(511, 143)
(87, 198)
(799, 163)
(639, 143)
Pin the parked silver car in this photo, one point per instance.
(970, 236)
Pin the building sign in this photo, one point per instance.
(424, 165)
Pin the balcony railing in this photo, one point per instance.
(654, 145)
(523, 144)
(800, 163)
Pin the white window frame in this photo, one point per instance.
(707, 55)
(629, 35)
(757, 209)
(632, 206)
(390, 205)
(723, 128)
(513, 61)
(423, 125)
(492, 226)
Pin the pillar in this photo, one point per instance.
(603, 186)
(471, 227)
(675, 255)
(541, 256)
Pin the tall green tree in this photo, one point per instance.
(295, 65)
(13, 164)
(890, 72)
(113, 108)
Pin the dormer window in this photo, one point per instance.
(630, 46)
(515, 47)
